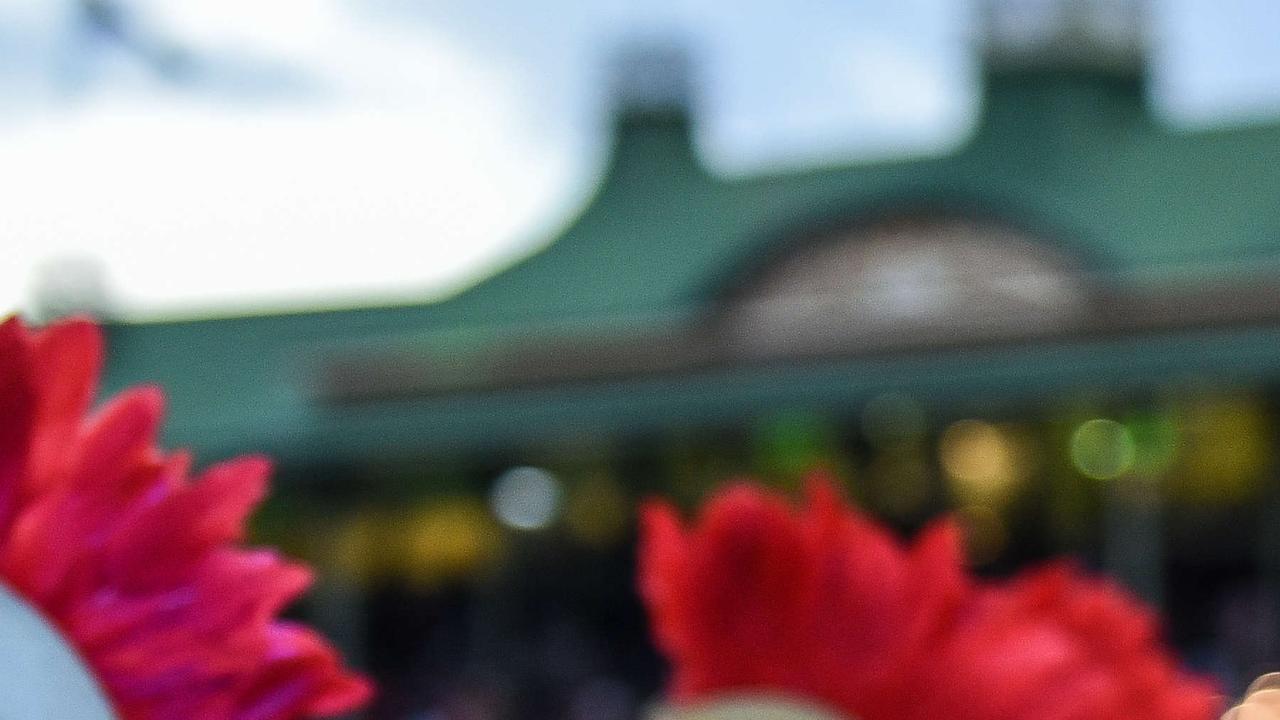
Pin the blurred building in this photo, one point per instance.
(1068, 328)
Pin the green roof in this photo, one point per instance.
(1073, 158)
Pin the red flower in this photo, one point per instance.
(139, 566)
(822, 605)
(1055, 645)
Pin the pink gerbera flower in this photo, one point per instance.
(139, 566)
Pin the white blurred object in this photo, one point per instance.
(1261, 701)
(71, 286)
(746, 709)
(40, 674)
(527, 498)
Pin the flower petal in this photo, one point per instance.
(17, 408)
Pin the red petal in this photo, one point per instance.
(68, 358)
(163, 541)
(17, 408)
(121, 436)
(302, 676)
(136, 565)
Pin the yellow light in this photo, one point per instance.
(1102, 449)
(446, 539)
(443, 539)
(981, 460)
(1226, 449)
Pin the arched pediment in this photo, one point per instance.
(921, 277)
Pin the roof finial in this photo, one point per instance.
(1105, 34)
(652, 77)
(71, 285)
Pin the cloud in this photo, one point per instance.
(405, 176)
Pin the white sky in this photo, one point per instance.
(338, 151)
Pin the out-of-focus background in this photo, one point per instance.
(481, 276)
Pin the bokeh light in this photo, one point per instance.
(526, 498)
(790, 445)
(983, 462)
(1226, 448)
(1103, 449)
(1155, 437)
(446, 539)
